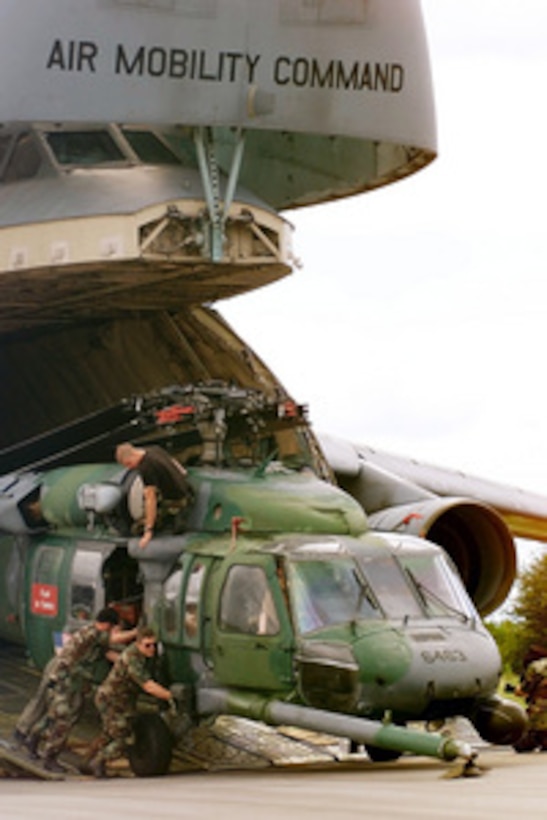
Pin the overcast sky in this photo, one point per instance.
(418, 322)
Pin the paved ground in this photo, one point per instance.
(515, 786)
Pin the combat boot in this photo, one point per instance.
(19, 737)
(51, 764)
(95, 767)
(30, 743)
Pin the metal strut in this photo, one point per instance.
(210, 176)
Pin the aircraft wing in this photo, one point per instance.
(525, 513)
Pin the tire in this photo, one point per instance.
(379, 755)
(150, 755)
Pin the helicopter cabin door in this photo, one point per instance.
(252, 640)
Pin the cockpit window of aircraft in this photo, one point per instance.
(439, 588)
(84, 147)
(25, 159)
(330, 592)
(149, 148)
(391, 587)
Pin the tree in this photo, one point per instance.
(531, 603)
(511, 642)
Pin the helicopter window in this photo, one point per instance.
(392, 588)
(82, 602)
(439, 588)
(330, 592)
(25, 160)
(84, 147)
(48, 565)
(86, 572)
(149, 148)
(246, 603)
(171, 592)
(191, 602)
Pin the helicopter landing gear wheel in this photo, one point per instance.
(150, 755)
(379, 755)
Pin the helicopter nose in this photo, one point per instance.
(452, 665)
(428, 672)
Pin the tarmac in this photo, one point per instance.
(513, 786)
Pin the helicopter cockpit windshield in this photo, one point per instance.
(438, 586)
(329, 592)
(349, 586)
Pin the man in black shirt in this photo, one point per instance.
(164, 479)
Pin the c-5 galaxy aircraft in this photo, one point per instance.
(145, 151)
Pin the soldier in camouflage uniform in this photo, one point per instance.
(67, 680)
(35, 709)
(116, 698)
(533, 687)
(167, 493)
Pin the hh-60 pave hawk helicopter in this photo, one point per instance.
(276, 603)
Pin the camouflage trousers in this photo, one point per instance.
(117, 727)
(36, 709)
(531, 739)
(65, 701)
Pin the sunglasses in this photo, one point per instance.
(149, 644)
